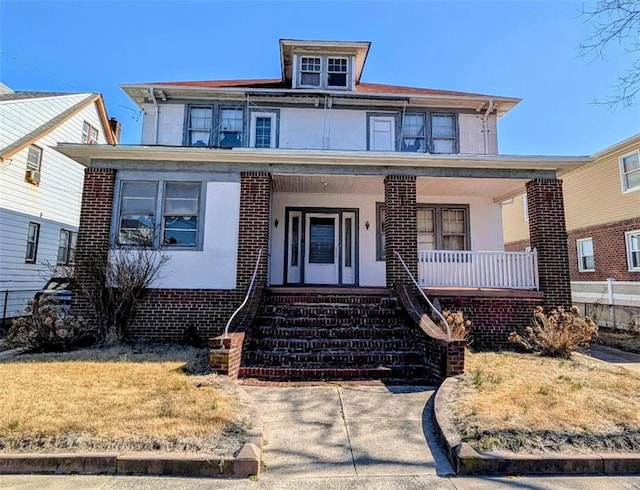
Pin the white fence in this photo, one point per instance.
(469, 269)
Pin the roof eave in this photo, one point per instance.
(86, 153)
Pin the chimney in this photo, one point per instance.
(116, 128)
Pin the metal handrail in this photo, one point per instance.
(433, 308)
(246, 298)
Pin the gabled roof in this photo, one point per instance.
(35, 129)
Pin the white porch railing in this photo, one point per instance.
(471, 269)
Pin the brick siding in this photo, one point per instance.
(518, 246)
(493, 317)
(609, 250)
(548, 234)
(401, 233)
(93, 232)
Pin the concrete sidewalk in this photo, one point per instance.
(340, 431)
(618, 357)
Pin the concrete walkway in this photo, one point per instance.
(618, 357)
(340, 431)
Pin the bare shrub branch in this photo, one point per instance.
(616, 22)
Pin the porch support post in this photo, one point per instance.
(548, 234)
(253, 233)
(401, 233)
(93, 233)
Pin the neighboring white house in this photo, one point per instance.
(40, 188)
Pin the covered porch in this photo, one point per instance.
(342, 230)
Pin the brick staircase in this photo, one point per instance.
(331, 334)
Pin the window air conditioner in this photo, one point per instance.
(33, 176)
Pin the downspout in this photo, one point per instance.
(485, 127)
(155, 103)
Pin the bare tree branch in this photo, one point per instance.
(616, 22)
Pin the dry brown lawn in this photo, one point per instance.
(523, 402)
(118, 399)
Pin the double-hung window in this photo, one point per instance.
(443, 133)
(33, 235)
(231, 122)
(429, 132)
(443, 227)
(34, 164)
(89, 134)
(177, 204)
(414, 135)
(337, 72)
(310, 70)
(586, 260)
(439, 227)
(200, 122)
(180, 213)
(632, 239)
(630, 171)
(67, 247)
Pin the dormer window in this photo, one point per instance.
(329, 72)
(310, 69)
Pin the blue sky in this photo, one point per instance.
(512, 48)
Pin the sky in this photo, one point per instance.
(513, 48)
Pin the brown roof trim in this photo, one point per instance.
(61, 118)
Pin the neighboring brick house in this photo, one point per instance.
(331, 177)
(602, 206)
(40, 188)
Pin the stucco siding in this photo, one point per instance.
(472, 134)
(213, 267)
(323, 129)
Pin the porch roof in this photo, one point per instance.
(341, 162)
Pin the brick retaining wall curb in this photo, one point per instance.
(246, 463)
(467, 461)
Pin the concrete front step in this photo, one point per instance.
(395, 374)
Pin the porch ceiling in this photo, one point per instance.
(431, 186)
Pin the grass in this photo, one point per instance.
(129, 398)
(523, 402)
(620, 339)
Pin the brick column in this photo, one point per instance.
(401, 232)
(225, 354)
(95, 225)
(548, 234)
(255, 204)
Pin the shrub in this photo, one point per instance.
(47, 327)
(458, 325)
(557, 334)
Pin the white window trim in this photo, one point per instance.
(254, 117)
(627, 240)
(346, 86)
(578, 242)
(525, 207)
(623, 182)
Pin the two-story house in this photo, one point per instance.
(335, 180)
(41, 188)
(602, 207)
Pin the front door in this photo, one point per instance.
(321, 246)
(321, 258)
